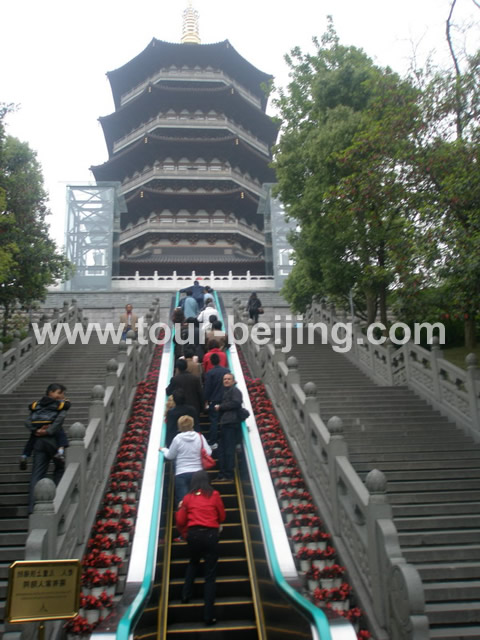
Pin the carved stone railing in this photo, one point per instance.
(357, 514)
(453, 391)
(63, 516)
(26, 355)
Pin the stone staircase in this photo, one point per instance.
(433, 474)
(79, 367)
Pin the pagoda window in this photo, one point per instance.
(200, 164)
(184, 115)
(168, 164)
(199, 115)
(171, 115)
(212, 115)
(184, 164)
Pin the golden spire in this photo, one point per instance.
(190, 33)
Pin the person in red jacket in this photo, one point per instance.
(214, 347)
(198, 519)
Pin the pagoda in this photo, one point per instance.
(190, 142)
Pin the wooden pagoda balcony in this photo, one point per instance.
(203, 226)
(197, 75)
(209, 172)
(179, 120)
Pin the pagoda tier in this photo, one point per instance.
(191, 152)
(184, 260)
(164, 106)
(159, 56)
(200, 203)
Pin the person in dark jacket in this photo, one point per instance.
(191, 386)
(198, 519)
(44, 423)
(197, 293)
(180, 409)
(213, 391)
(230, 425)
(253, 307)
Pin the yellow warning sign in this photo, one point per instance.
(43, 590)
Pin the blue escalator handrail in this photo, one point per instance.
(314, 615)
(131, 614)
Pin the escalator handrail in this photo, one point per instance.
(314, 615)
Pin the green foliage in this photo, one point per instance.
(29, 259)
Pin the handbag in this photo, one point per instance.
(207, 461)
(260, 310)
(243, 413)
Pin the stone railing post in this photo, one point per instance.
(43, 515)
(378, 508)
(76, 453)
(436, 355)
(111, 380)
(97, 410)
(1, 364)
(473, 377)
(336, 447)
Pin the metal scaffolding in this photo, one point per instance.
(92, 235)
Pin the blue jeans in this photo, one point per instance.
(182, 485)
(213, 416)
(226, 448)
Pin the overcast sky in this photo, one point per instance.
(55, 54)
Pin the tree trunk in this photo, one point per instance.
(470, 332)
(371, 300)
(383, 307)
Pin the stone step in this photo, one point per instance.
(456, 467)
(422, 486)
(424, 523)
(436, 509)
(438, 538)
(411, 475)
(455, 633)
(454, 590)
(413, 447)
(468, 570)
(11, 553)
(433, 497)
(14, 524)
(390, 439)
(378, 458)
(12, 538)
(449, 613)
(445, 553)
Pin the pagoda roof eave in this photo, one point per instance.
(148, 103)
(145, 64)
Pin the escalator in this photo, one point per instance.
(257, 587)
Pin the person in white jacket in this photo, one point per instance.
(205, 315)
(185, 450)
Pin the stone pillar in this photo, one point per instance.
(43, 516)
(336, 447)
(76, 453)
(97, 411)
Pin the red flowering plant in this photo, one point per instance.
(106, 600)
(78, 626)
(121, 541)
(100, 542)
(90, 602)
(114, 498)
(126, 466)
(353, 615)
(123, 487)
(364, 635)
(106, 513)
(125, 476)
(97, 558)
(291, 483)
(109, 578)
(294, 523)
(340, 593)
(325, 554)
(91, 577)
(110, 526)
(125, 525)
(320, 595)
(128, 511)
(304, 553)
(333, 571)
(313, 573)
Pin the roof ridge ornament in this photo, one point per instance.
(190, 32)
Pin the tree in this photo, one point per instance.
(29, 259)
(346, 124)
(447, 162)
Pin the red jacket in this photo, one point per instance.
(200, 510)
(207, 365)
